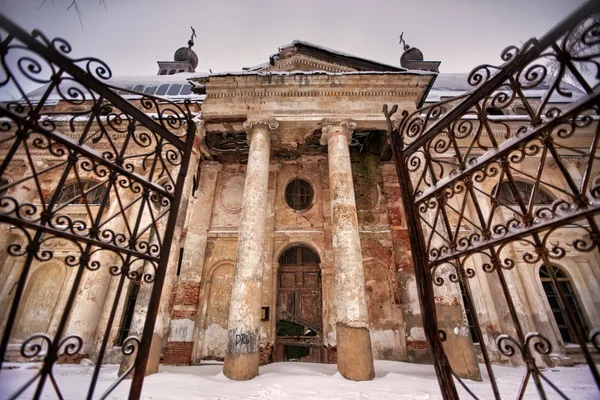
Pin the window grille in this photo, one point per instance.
(554, 279)
(299, 255)
(299, 194)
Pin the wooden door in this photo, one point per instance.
(299, 310)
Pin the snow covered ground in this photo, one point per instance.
(394, 380)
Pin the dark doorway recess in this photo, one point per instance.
(299, 310)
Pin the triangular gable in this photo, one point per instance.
(304, 56)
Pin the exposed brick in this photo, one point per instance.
(266, 354)
(188, 293)
(178, 353)
(183, 314)
(331, 354)
(417, 344)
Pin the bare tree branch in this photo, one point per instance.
(74, 5)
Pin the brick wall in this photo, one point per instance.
(178, 353)
(331, 354)
(266, 354)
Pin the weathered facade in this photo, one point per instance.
(291, 242)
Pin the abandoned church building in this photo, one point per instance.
(291, 242)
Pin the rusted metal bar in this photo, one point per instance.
(144, 351)
(422, 274)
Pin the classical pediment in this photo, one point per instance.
(303, 56)
(301, 62)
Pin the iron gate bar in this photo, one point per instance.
(529, 51)
(68, 66)
(423, 279)
(423, 152)
(115, 168)
(506, 147)
(142, 358)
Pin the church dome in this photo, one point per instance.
(411, 54)
(187, 54)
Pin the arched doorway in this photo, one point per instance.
(299, 310)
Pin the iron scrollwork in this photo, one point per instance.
(136, 154)
(457, 159)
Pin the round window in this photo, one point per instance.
(299, 194)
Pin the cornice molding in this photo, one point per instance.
(328, 93)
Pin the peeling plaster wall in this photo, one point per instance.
(287, 227)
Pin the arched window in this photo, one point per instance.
(524, 189)
(72, 194)
(298, 255)
(555, 281)
(132, 294)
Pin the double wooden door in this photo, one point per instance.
(299, 312)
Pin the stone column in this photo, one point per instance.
(242, 357)
(92, 300)
(354, 356)
(145, 293)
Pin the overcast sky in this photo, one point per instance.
(131, 35)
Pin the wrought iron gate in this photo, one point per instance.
(456, 162)
(80, 142)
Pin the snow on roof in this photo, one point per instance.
(283, 73)
(315, 46)
(173, 87)
(456, 84)
(339, 53)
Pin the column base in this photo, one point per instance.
(241, 366)
(354, 355)
(153, 359)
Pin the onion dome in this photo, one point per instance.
(410, 53)
(186, 53)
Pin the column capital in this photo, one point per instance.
(200, 127)
(269, 125)
(212, 165)
(274, 167)
(332, 127)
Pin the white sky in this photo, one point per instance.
(131, 35)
